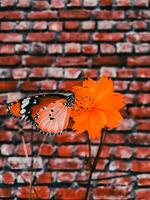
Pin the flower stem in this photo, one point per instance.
(94, 164)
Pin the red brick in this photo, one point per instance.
(142, 152)
(6, 136)
(108, 71)
(72, 48)
(8, 85)
(44, 178)
(19, 73)
(23, 3)
(138, 60)
(115, 138)
(41, 25)
(71, 25)
(109, 15)
(71, 61)
(140, 166)
(143, 98)
(107, 48)
(142, 48)
(129, 98)
(146, 14)
(74, 3)
(143, 180)
(68, 193)
(143, 72)
(7, 3)
(22, 26)
(38, 48)
(75, 14)
(133, 37)
(124, 47)
(105, 25)
(125, 73)
(38, 72)
(132, 14)
(90, 3)
(38, 192)
(13, 37)
(123, 152)
(42, 15)
(55, 26)
(22, 48)
(48, 85)
(3, 110)
(57, 3)
(64, 164)
(30, 86)
(118, 165)
(7, 26)
(106, 3)
(40, 37)
(40, 5)
(7, 149)
(139, 138)
(21, 150)
(126, 124)
(65, 151)
(73, 37)
(5, 192)
(144, 37)
(55, 49)
(89, 48)
(139, 112)
(82, 151)
(143, 125)
(65, 176)
(108, 60)
(142, 194)
(88, 25)
(55, 72)
(7, 49)
(46, 150)
(140, 3)
(137, 86)
(139, 25)
(105, 37)
(35, 60)
(11, 15)
(67, 85)
(123, 25)
(123, 3)
(91, 73)
(8, 178)
(72, 73)
(110, 193)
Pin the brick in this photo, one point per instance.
(40, 5)
(55, 72)
(139, 111)
(7, 3)
(6, 136)
(11, 15)
(142, 48)
(125, 73)
(41, 25)
(64, 164)
(143, 125)
(72, 73)
(21, 150)
(123, 3)
(44, 178)
(123, 152)
(19, 73)
(46, 150)
(108, 71)
(75, 14)
(90, 3)
(65, 151)
(67, 85)
(89, 48)
(7, 26)
(142, 194)
(40, 192)
(110, 193)
(142, 152)
(139, 86)
(144, 36)
(7, 149)
(105, 25)
(123, 25)
(143, 180)
(57, 4)
(115, 139)
(42, 15)
(146, 14)
(8, 86)
(55, 26)
(13, 37)
(23, 3)
(38, 48)
(74, 3)
(40, 37)
(55, 49)
(118, 165)
(105, 3)
(48, 85)
(109, 15)
(21, 48)
(126, 124)
(144, 3)
(71, 61)
(38, 72)
(73, 37)
(107, 48)
(139, 25)
(107, 60)
(132, 14)
(132, 37)
(129, 98)
(66, 176)
(5, 192)
(139, 139)
(92, 73)
(143, 72)
(22, 25)
(88, 25)
(82, 151)
(71, 25)
(143, 98)
(7, 49)
(138, 60)
(140, 166)
(68, 193)
(106, 37)
(35, 60)
(30, 86)
(5, 73)
(124, 47)
(8, 178)
(72, 48)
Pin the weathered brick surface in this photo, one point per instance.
(52, 45)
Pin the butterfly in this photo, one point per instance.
(49, 113)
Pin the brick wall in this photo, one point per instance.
(52, 45)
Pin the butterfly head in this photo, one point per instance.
(70, 100)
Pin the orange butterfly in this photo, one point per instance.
(49, 113)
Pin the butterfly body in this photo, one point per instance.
(49, 113)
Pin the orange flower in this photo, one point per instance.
(96, 106)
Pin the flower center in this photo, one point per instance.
(83, 103)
